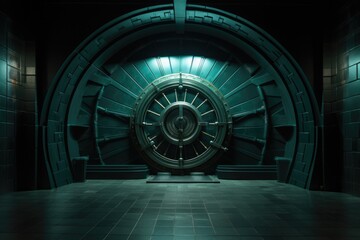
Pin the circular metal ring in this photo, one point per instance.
(180, 121)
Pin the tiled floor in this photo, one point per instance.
(132, 209)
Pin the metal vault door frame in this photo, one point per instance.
(57, 113)
(173, 117)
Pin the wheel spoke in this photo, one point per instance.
(159, 103)
(153, 137)
(160, 143)
(205, 113)
(202, 144)
(201, 104)
(176, 95)
(167, 149)
(166, 98)
(155, 113)
(192, 102)
(214, 144)
(208, 134)
(196, 152)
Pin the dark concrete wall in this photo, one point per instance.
(342, 99)
(17, 110)
(7, 124)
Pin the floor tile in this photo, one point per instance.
(132, 209)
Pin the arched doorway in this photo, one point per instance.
(181, 89)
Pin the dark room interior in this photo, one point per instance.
(180, 119)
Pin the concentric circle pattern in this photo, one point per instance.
(180, 121)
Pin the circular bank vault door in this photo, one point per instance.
(180, 121)
(180, 94)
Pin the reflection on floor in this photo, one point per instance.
(132, 209)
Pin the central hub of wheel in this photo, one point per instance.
(180, 122)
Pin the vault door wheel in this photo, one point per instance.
(181, 122)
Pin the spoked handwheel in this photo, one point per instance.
(181, 123)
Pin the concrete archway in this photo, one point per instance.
(269, 107)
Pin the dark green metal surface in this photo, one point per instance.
(216, 90)
(179, 122)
